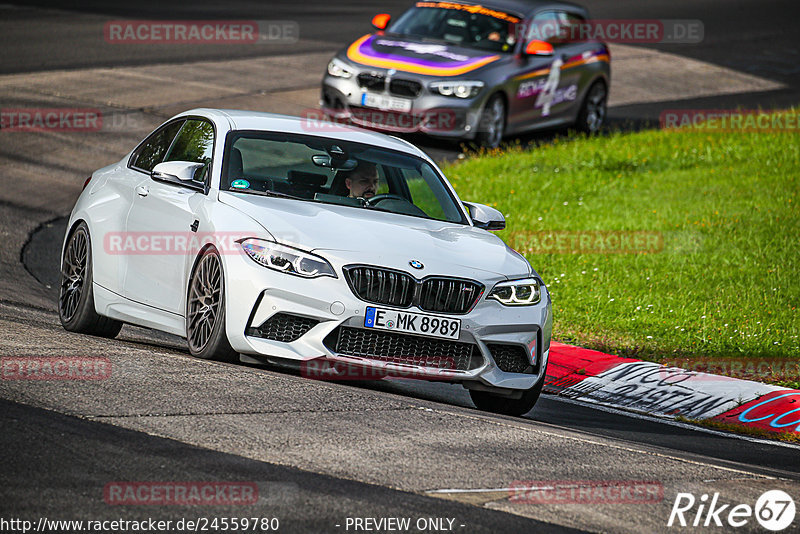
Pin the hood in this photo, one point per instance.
(403, 53)
(360, 235)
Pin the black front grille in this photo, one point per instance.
(448, 295)
(404, 349)
(373, 82)
(382, 286)
(396, 288)
(401, 87)
(283, 327)
(510, 358)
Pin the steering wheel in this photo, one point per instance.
(371, 201)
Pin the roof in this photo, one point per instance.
(526, 7)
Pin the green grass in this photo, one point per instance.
(727, 282)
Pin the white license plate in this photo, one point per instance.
(412, 323)
(385, 103)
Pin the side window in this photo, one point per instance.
(575, 25)
(151, 153)
(549, 26)
(195, 143)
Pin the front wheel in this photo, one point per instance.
(492, 125)
(76, 294)
(205, 311)
(593, 110)
(491, 402)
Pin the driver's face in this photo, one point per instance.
(362, 186)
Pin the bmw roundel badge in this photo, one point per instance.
(416, 264)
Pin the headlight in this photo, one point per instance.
(461, 89)
(339, 69)
(517, 292)
(286, 259)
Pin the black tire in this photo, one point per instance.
(76, 309)
(593, 111)
(492, 125)
(205, 310)
(490, 402)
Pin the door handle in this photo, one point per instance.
(142, 190)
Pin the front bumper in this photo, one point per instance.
(431, 114)
(327, 307)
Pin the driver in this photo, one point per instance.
(362, 181)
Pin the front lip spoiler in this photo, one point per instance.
(400, 370)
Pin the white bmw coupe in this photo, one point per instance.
(268, 238)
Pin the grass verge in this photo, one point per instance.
(718, 281)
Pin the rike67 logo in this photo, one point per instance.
(774, 510)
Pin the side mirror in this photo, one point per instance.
(539, 48)
(381, 21)
(175, 171)
(485, 217)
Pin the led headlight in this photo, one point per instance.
(517, 292)
(286, 259)
(460, 89)
(340, 69)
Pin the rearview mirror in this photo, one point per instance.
(539, 48)
(171, 171)
(381, 21)
(485, 217)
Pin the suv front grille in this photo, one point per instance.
(401, 87)
(396, 288)
(373, 82)
(404, 349)
(283, 327)
(510, 358)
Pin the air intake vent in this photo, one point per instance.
(283, 327)
(510, 358)
(404, 349)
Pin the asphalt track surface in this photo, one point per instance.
(320, 452)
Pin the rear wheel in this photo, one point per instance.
(492, 125)
(592, 115)
(205, 311)
(491, 402)
(76, 296)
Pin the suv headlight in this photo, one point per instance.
(286, 259)
(460, 89)
(524, 292)
(340, 69)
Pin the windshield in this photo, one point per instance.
(473, 26)
(318, 169)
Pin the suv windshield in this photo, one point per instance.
(467, 25)
(318, 169)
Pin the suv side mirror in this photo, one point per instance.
(381, 21)
(485, 217)
(175, 171)
(539, 48)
